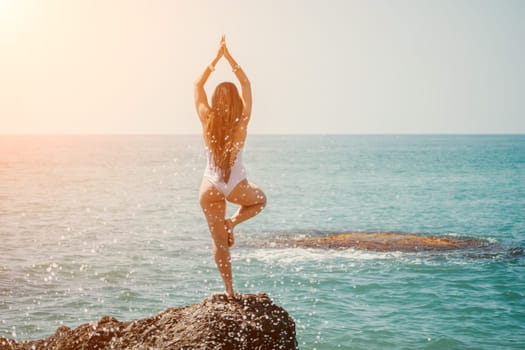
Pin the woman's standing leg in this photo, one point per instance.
(213, 205)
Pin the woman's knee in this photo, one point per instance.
(261, 197)
(219, 234)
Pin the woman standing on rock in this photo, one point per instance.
(224, 126)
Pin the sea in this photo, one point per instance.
(95, 225)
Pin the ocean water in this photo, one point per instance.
(110, 225)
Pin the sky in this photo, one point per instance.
(316, 67)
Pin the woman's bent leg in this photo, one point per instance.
(213, 205)
(251, 199)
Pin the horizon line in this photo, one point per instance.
(272, 134)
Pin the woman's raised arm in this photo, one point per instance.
(243, 79)
(201, 100)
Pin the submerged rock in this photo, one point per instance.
(383, 242)
(250, 321)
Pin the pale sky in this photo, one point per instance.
(391, 66)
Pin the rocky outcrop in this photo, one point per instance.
(250, 321)
(383, 242)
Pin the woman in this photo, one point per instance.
(224, 126)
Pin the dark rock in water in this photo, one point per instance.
(383, 242)
(250, 321)
(514, 252)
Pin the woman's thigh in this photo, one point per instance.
(213, 203)
(246, 194)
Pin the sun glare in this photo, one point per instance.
(5, 7)
(11, 13)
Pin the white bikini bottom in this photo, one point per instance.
(237, 174)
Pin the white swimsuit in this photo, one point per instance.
(213, 175)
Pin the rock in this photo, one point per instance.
(383, 242)
(249, 321)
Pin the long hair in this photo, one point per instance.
(222, 122)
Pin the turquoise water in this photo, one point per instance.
(110, 225)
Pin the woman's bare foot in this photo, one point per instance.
(224, 296)
(229, 228)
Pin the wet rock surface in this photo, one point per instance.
(250, 321)
(384, 242)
